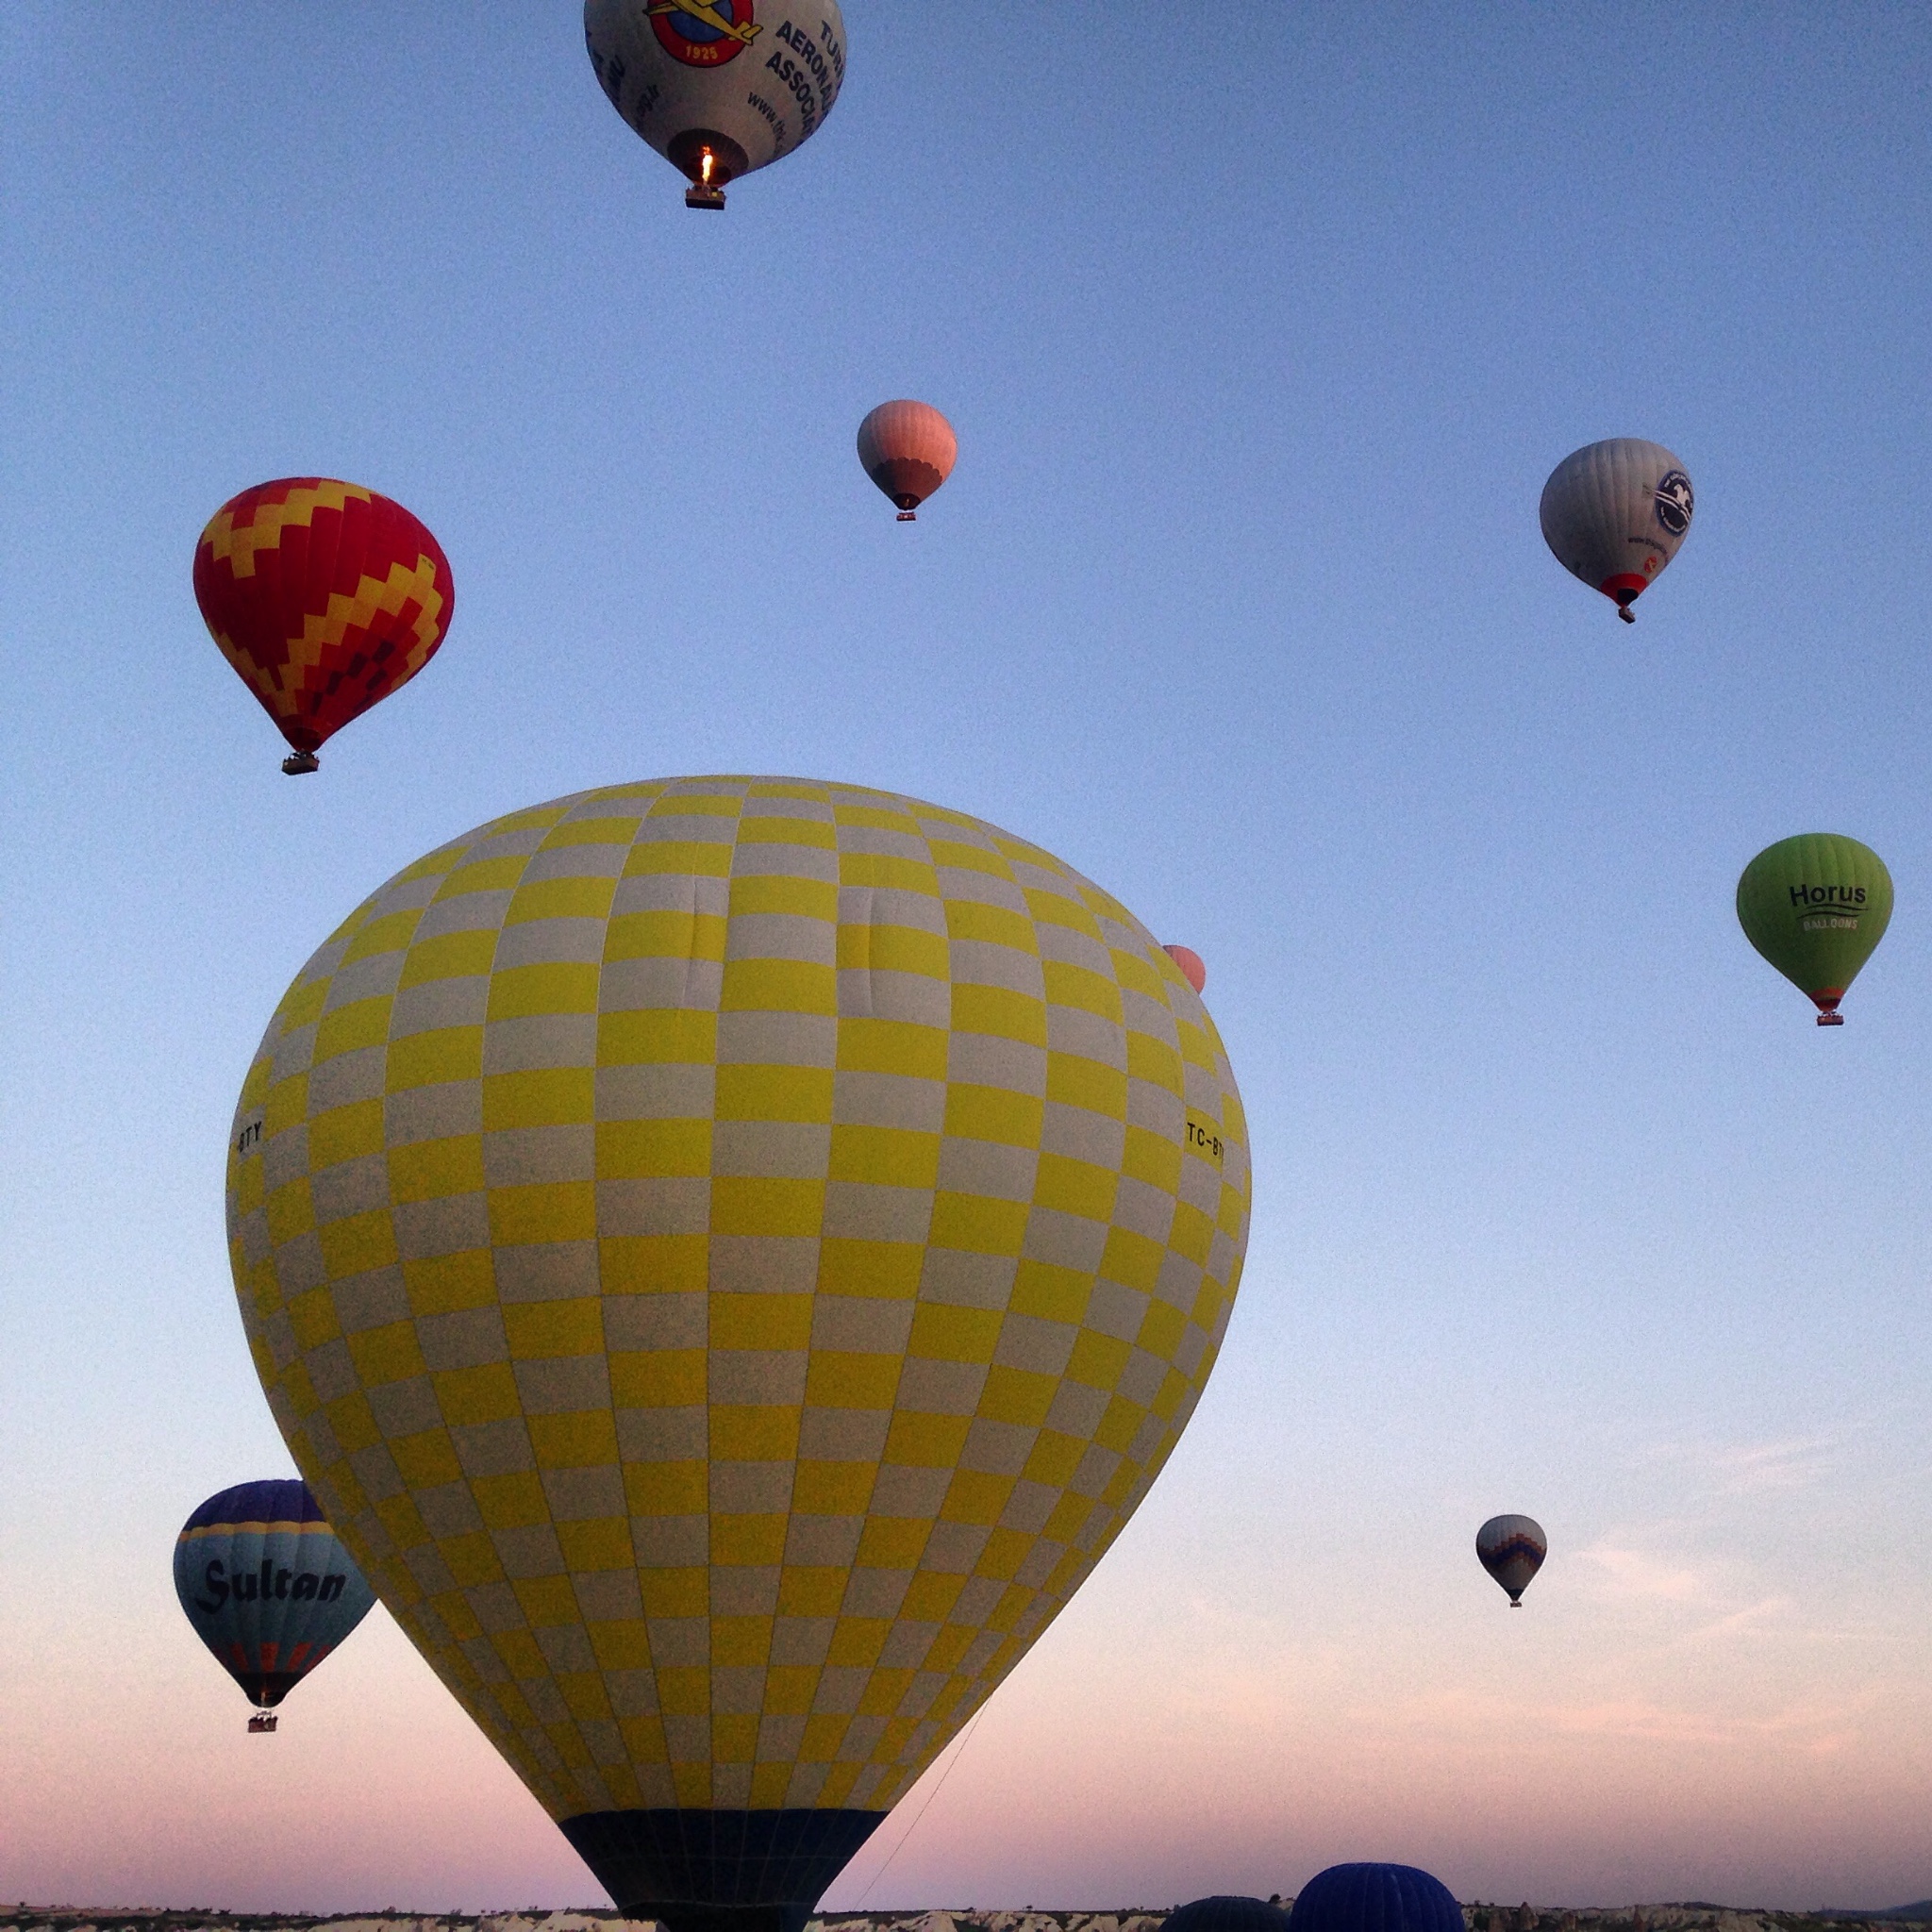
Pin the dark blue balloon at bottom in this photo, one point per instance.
(1227, 1914)
(1376, 1898)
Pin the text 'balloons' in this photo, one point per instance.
(718, 89)
(267, 1587)
(762, 1239)
(1815, 906)
(324, 598)
(1511, 1549)
(1614, 514)
(909, 450)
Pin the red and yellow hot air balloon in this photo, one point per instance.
(324, 598)
(907, 449)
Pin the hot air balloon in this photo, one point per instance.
(1194, 968)
(1815, 906)
(1376, 1898)
(324, 598)
(718, 89)
(1614, 513)
(1225, 1913)
(267, 1587)
(1511, 1549)
(729, 1254)
(909, 450)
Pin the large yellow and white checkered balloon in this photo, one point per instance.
(729, 1254)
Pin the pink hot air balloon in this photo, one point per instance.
(907, 449)
(1194, 968)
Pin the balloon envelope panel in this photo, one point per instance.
(323, 597)
(1815, 906)
(267, 1586)
(1511, 1549)
(1376, 1898)
(1615, 512)
(761, 74)
(731, 1254)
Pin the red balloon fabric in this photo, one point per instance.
(909, 450)
(1193, 970)
(323, 596)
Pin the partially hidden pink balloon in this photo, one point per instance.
(1192, 968)
(907, 449)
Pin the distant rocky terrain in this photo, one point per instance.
(1695, 1916)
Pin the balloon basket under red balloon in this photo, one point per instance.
(263, 1721)
(299, 761)
(907, 516)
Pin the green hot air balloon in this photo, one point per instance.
(1815, 906)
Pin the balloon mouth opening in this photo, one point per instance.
(707, 160)
(1623, 591)
(905, 482)
(296, 764)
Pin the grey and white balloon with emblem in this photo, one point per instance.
(1615, 514)
(719, 88)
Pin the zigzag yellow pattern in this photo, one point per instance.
(237, 547)
(324, 632)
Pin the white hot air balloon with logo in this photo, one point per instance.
(717, 87)
(1615, 514)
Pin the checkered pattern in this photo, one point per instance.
(729, 1255)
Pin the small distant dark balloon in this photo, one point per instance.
(1225, 1913)
(1374, 1898)
(1511, 1549)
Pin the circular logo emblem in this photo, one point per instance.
(700, 34)
(1674, 504)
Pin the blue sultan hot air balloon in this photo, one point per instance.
(267, 1587)
(1374, 1898)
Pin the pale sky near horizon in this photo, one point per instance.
(1260, 329)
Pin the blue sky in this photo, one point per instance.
(1261, 330)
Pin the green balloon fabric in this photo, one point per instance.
(1815, 906)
